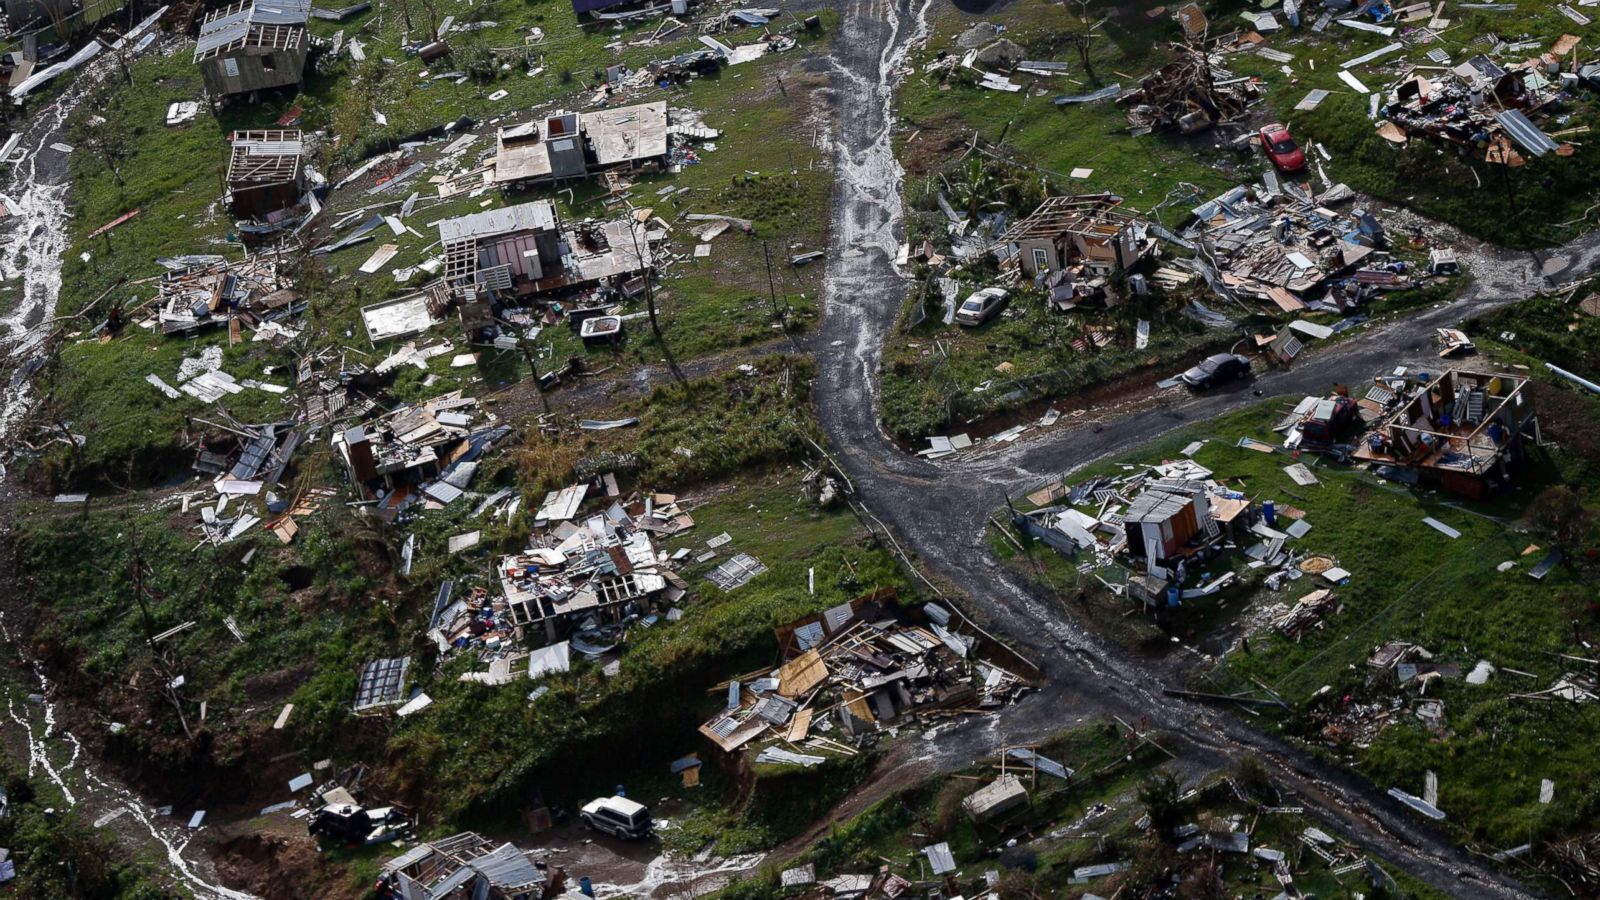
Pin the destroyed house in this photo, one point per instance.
(253, 45)
(854, 669)
(423, 452)
(1091, 234)
(1169, 522)
(248, 453)
(572, 145)
(523, 251)
(189, 298)
(601, 570)
(1477, 105)
(465, 866)
(266, 172)
(503, 250)
(1290, 251)
(1462, 430)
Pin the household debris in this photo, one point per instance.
(192, 296)
(587, 577)
(1479, 106)
(419, 454)
(1165, 521)
(1461, 429)
(1290, 250)
(861, 668)
(1188, 95)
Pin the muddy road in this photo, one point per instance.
(938, 510)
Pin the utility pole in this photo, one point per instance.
(650, 302)
(772, 293)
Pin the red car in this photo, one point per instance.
(1281, 148)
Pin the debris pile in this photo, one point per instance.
(1480, 106)
(420, 454)
(1292, 251)
(854, 671)
(1188, 95)
(1162, 521)
(586, 578)
(469, 865)
(196, 295)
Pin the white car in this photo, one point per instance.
(618, 817)
(981, 306)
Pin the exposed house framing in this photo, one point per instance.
(1093, 230)
(1463, 429)
(251, 46)
(266, 171)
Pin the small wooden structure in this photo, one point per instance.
(1092, 231)
(251, 46)
(266, 171)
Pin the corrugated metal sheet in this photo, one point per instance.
(940, 859)
(1525, 133)
(539, 215)
(507, 867)
(808, 636)
(838, 616)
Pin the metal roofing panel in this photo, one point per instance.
(808, 636)
(1525, 133)
(221, 33)
(280, 12)
(539, 215)
(940, 859)
(508, 867)
(837, 616)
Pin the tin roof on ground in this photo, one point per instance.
(627, 133)
(261, 158)
(538, 215)
(262, 23)
(434, 869)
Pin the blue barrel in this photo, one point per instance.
(1270, 511)
(585, 887)
(1174, 595)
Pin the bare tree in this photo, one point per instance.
(108, 140)
(62, 16)
(1080, 35)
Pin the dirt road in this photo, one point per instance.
(938, 510)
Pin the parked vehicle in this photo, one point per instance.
(1216, 370)
(1325, 424)
(618, 817)
(981, 306)
(1280, 147)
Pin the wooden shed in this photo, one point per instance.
(266, 171)
(253, 46)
